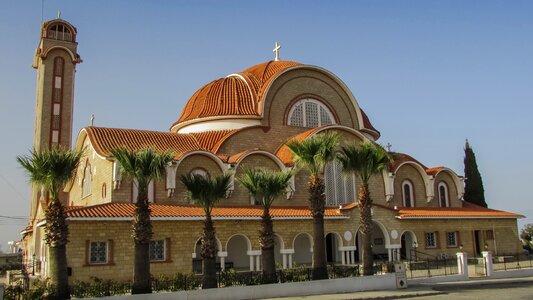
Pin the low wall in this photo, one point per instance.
(435, 279)
(330, 286)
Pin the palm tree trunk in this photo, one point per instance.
(208, 252)
(141, 276)
(56, 231)
(365, 213)
(142, 234)
(266, 240)
(317, 203)
(58, 271)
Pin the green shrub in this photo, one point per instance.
(98, 287)
(38, 290)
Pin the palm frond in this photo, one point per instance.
(315, 152)
(51, 168)
(264, 184)
(143, 166)
(204, 191)
(251, 179)
(364, 160)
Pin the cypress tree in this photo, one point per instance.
(474, 192)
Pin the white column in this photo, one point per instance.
(462, 264)
(290, 261)
(251, 262)
(284, 261)
(487, 259)
(223, 263)
(390, 254)
(343, 257)
(258, 262)
(352, 257)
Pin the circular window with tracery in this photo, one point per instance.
(310, 113)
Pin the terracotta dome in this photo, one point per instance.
(237, 94)
(262, 73)
(224, 96)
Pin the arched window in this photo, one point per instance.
(310, 113)
(135, 192)
(86, 183)
(443, 194)
(408, 194)
(340, 187)
(200, 171)
(104, 190)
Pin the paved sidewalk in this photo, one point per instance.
(390, 294)
(418, 290)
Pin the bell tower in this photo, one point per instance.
(55, 59)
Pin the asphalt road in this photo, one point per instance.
(499, 290)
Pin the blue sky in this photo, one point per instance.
(428, 73)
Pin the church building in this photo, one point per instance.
(238, 121)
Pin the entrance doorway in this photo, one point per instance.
(332, 248)
(408, 242)
(477, 242)
(357, 247)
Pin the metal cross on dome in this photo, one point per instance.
(276, 50)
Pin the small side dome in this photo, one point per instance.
(59, 29)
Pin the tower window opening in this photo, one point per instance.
(57, 96)
(59, 32)
(55, 122)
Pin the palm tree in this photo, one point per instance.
(365, 160)
(313, 154)
(52, 169)
(206, 192)
(144, 167)
(265, 186)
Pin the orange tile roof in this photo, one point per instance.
(356, 204)
(235, 158)
(400, 158)
(263, 74)
(105, 139)
(434, 170)
(221, 97)
(264, 71)
(285, 154)
(188, 212)
(212, 140)
(468, 211)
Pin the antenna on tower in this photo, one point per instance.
(42, 11)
